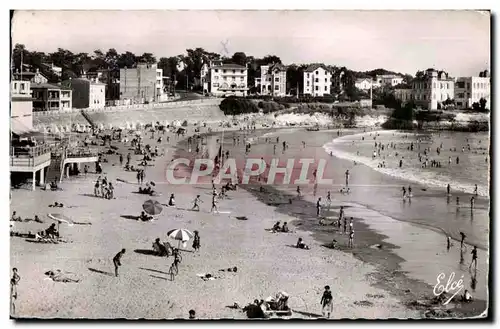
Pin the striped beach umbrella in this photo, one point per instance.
(180, 234)
(152, 207)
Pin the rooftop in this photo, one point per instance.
(47, 86)
(314, 67)
(229, 66)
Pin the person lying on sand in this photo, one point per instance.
(300, 244)
(59, 276)
(56, 204)
(234, 269)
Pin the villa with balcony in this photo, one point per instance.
(228, 80)
(49, 97)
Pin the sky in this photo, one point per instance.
(402, 41)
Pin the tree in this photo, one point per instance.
(270, 59)
(482, 104)
(147, 58)
(128, 60)
(419, 75)
(111, 59)
(240, 58)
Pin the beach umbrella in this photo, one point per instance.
(152, 207)
(60, 218)
(180, 235)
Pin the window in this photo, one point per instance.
(15, 85)
(242, 72)
(101, 90)
(223, 71)
(216, 70)
(242, 78)
(225, 78)
(215, 84)
(276, 87)
(461, 95)
(424, 97)
(317, 88)
(234, 71)
(468, 85)
(317, 72)
(276, 79)
(326, 80)
(326, 88)
(22, 86)
(317, 80)
(308, 75)
(308, 83)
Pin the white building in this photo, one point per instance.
(363, 84)
(21, 109)
(469, 90)
(431, 90)
(317, 80)
(228, 80)
(389, 80)
(273, 80)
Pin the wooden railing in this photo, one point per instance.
(81, 152)
(29, 156)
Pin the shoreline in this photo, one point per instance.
(387, 276)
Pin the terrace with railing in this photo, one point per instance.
(29, 156)
(81, 152)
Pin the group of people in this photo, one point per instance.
(103, 188)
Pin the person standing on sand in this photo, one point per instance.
(117, 260)
(351, 239)
(196, 241)
(347, 178)
(197, 200)
(318, 207)
(474, 258)
(345, 224)
(214, 203)
(462, 234)
(341, 216)
(128, 159)
(97, 190)
(327, 302)
(329, 199)
(351, 225)
(121, 159)
(448, 243)
(13, 290)
(298, 191)
(138, 177)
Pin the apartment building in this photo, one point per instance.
(469, 90)
(432, 89)
(317, 80)
(273, 80)
(143, 83)
(21, 106)
(49, 97)
(403, 94)
(86, 93)
(227, 80)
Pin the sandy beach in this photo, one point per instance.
(266, 262)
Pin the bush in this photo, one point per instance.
(235, 105)
(260, 105)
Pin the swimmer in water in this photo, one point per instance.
(448, 189)
(475, 189)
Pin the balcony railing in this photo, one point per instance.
(81, 152)
(233, 88)
(29, 156)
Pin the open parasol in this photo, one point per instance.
(60, 218)
(152, 207)
(181, 235)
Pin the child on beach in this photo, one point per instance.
(326, 302)
(117, 260)
(298, 191)
(196, 201)
(97, 190)
(301, 245)
(351, 225)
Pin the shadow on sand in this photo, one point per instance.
(151, 270)
(146, 252)
(101, 272)
(159, 277)
(130, 217)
